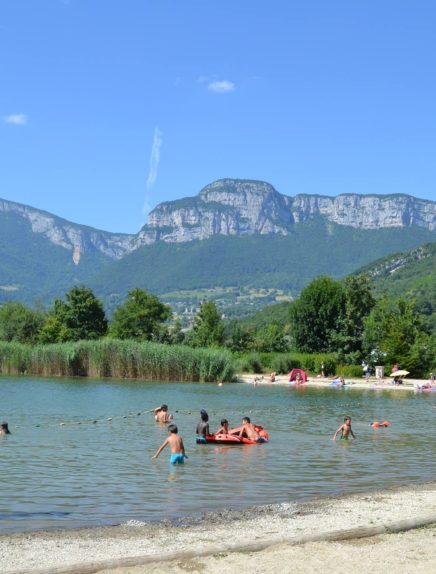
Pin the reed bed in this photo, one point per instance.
(119, 359)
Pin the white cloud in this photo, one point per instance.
(16, 119)
(154, 157)
(221, 86)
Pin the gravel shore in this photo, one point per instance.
(327, 535)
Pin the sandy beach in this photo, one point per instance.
(390, 528)
(320, 382)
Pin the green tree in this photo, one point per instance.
(271, 339)
(208, 328)
(397, 330)
(19, 323)
(318, 315)
(241, 337)
(141, 317)
(80, 316)
(359, 302)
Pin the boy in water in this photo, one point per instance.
(224, 429)
(345, 430)
(161, 414)
(202, 429)
(248, 430)
(177, 447)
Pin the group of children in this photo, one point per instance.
(175, 442)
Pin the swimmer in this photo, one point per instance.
(345, 430)
(177, 447)
(224, 429)
(161, 414)
(4, 429)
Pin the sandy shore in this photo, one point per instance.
(371, 383)
(328, 535)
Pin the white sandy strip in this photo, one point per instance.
(372, 383)
(93, 550)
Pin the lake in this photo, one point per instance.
(98, 473)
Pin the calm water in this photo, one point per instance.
(93, 474)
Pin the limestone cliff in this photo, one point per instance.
(237, 207)
(67, 234)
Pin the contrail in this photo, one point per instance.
(154, 157)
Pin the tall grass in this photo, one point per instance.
(118, 359)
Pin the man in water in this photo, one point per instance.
(177, 447)
(345, 430)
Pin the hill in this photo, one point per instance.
(284, 263)
(411, 274)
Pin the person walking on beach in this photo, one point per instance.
(161, 414)
(177, 447)
(345, 430)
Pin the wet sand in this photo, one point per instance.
(327, 535)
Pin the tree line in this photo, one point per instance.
(330, 316)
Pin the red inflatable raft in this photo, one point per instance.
(232, 438)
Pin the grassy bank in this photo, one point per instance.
(119, 359)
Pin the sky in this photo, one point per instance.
(109, 107)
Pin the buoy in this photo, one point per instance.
(377, 424)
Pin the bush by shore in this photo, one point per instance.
(119, 359)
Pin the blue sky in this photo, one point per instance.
(109, 107)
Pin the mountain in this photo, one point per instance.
(241, 207)
(42, 256)
(240, 242)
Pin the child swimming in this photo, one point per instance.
(177, 447)
(161, 414)
(345, 430)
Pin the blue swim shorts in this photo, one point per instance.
(178, 458)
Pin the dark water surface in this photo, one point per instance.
(94, 474)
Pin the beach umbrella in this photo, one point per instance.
(399, 374)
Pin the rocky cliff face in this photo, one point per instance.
(70, 235)
(237, 207)
(232, 207)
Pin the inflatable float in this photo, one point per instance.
(377, 424)
(232, 438)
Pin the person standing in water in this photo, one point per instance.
(4, 429)
(203, 427)
(345, 430)
(161, 414)
(177, 447)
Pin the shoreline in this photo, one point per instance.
(325, 382)
(139, 546)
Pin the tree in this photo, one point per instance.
(241, 337)
(397, 330)
(80, 316)
(358, 304)
(140, 317)
(318, 315)
(19, 323)
(271, 339)
(208, 328)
